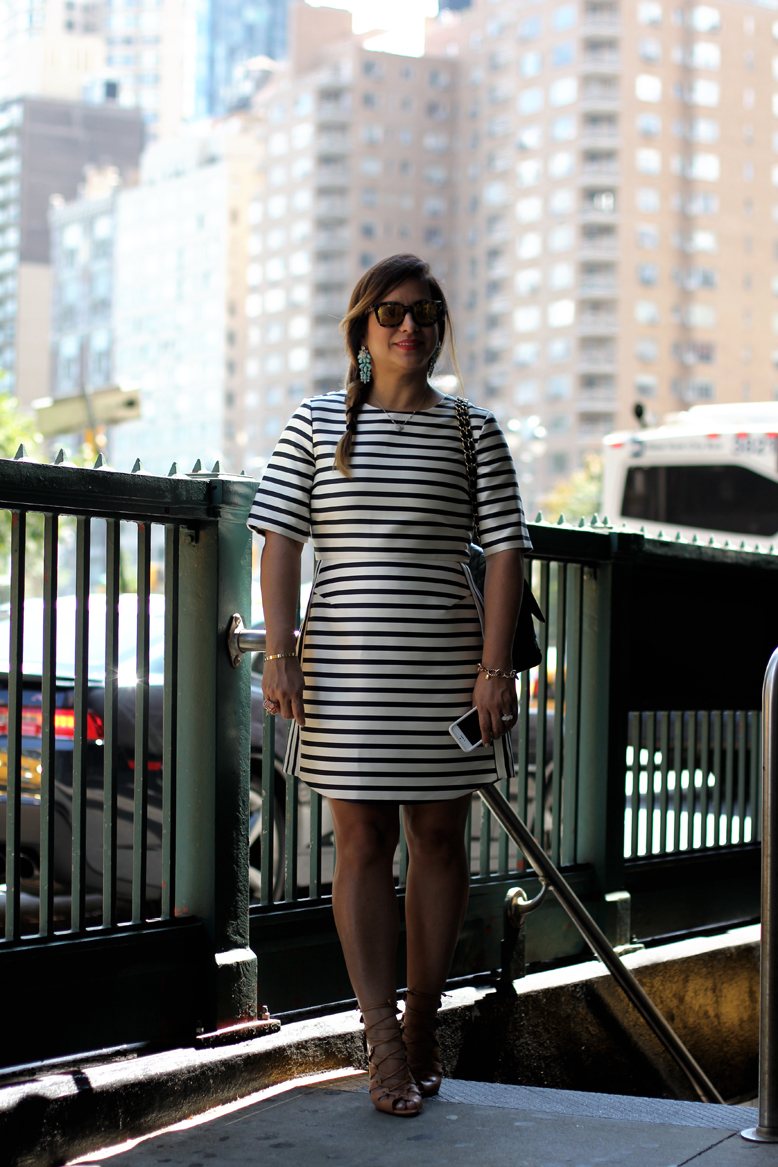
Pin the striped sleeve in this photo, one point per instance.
(500, 513)
(283, 500)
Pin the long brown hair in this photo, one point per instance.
(370, 289)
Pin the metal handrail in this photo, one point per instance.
(767, 1130)
(549, 874)
(241, 639)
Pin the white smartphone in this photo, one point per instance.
(466, 731)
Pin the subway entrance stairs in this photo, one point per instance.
(328, 1119)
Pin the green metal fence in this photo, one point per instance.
(135, 773)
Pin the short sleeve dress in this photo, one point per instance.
(392, 636)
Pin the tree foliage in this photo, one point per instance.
(16, 429)
(578, 496)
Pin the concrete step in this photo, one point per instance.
(330, 1120)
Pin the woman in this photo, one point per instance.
(392, 649)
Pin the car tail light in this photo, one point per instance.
(64, 723)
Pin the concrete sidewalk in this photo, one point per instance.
(330, 1120)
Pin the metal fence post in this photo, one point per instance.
(212, 827)
(599, 815)
(767, 1130)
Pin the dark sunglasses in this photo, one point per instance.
(391, 314)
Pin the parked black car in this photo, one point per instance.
(64, 721)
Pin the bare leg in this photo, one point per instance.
(436, 898)
(364, 900)
(364, 903)
(437, 888)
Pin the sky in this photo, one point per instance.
(403, 21)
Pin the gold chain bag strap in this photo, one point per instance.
(526, 650)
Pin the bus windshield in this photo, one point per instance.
(730, 499)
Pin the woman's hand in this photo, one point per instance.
(495, 698)
(283, 684)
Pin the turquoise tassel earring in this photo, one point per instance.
(365, 365)
(433, 361)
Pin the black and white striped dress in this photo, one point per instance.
(393, 631)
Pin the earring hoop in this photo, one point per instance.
(365, 365)
(433, 360)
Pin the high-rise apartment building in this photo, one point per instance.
(82, 269)
(44, 147)
(179, 319)
(174, 60)
(50, 48)
(233, 33)
(618, 217)
(358, 165)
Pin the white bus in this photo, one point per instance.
(711, 471)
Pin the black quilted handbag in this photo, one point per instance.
(526, 650)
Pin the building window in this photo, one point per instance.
(649, 125)
(559, 387)
(563, 128)
(646, 312)
(648, 161)
(561, 313)
(528, 281)
(563, 92)
(530, 64)
(562, 202)
(563, 54)
(529, 245)
(529, 210)
(701, 92)
(434, 205)
(527, 319)
(646, 385)
(526, 392)
(561, 164)
(561, 238)
(530, 28)
(529, 173)
(525, 354)
(648, 274)
(648, 200)
(647, 236)
(648, 87)
(647, 349)
(703, 18)
(530, 101)
(559, 350)
(650, 51)
(561, 275)
(650, 12)
(564, 17)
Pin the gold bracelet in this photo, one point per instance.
(278, 655)
(508, 674)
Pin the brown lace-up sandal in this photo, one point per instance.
(393, 1091)
(418, 1027)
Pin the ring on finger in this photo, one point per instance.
(507, 717)
(271, 706)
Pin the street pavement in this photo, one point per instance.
(329, 1120)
